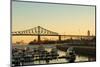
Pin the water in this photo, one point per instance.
(48, 48)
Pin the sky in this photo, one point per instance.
(63, 19)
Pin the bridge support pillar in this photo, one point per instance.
(39, 39)
(59, 37)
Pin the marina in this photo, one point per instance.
(45, 54)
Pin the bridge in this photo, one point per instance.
(40, 31)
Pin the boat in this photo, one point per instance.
(70, 55)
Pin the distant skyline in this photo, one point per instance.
(63, 19)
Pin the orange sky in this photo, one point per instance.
(63, 19)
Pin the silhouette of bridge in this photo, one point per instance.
(40, 31)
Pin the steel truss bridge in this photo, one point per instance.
(40, 31)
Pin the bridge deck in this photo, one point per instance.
(50, 35)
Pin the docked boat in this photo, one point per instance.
(70, 55)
